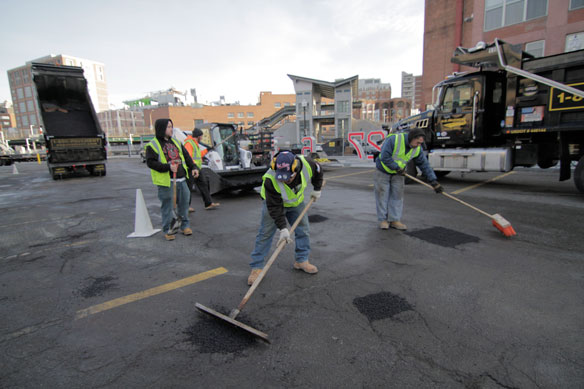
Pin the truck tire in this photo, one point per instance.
(579, 175)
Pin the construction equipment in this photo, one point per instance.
(233, 314)
(498, 221)
(516, 110)
(227, 165)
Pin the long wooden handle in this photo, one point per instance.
(450, 196)
(281, 246)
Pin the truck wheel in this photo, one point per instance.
(412, 171)
(579, 175)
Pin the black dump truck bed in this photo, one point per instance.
(73, 136)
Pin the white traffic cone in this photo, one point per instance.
(142, 224)
(14, 170)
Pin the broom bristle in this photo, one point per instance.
(503, 225)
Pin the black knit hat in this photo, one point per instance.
(197, 132)
(415, 133)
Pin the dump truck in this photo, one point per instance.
(73, 137)
(516, 110)
(227, 166)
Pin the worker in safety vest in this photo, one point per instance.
(283, 194)
(166, 156)
(397, 150)
(197, 152)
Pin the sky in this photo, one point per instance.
(222, 48)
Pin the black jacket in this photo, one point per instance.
(274, 200)
(152, 157)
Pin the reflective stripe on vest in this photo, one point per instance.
(197, 159)
(290, 198)
(399, 155)
(163, 179)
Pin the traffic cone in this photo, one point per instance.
(14, 170)
(142, 224)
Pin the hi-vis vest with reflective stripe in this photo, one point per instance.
(197, 159)
(163, 179)
(399, 155)
(290, 198)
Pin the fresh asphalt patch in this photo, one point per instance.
(97, 287)
(444, 237)
(317, 218)
(210, 335)
(382, 305)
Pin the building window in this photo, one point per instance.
(343, 106)
(20, 93)
(250, 114)
(24, 120)
(33, 120)
(230, 115)
(536, 48)
(240, 115)
(250, 123)
(501, 13)
(286, 104)
(574, 42)
(277, 105)
(27, 91)
(22, 107)
(575, 4)
(30, 106)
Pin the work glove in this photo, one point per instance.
(284, 236)
(401, 172)
(437, 187)
(315, 195)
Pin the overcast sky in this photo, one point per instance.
(220, 47)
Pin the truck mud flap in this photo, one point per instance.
(234, 180)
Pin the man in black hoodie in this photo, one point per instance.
(165, 156)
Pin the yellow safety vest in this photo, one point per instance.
(399, 155)
(197, 159)
(290, 198)
(163, 179)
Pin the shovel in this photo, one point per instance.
(231, 318)
(176, 220)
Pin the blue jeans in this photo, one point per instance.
(389, 196)
(268, 229)
(183, 195)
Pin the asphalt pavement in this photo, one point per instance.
(449, 303)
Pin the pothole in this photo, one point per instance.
(382, 305)
(443, 236)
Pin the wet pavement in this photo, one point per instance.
(449, 303)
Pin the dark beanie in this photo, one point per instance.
(197, 132)
(160, 127)
(415, 133)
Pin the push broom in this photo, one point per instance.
(498, 221)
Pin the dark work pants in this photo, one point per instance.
(202, 185)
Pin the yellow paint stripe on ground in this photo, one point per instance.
(482, 183)
(350, 174)
(149, 293)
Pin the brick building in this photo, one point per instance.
(543, 27)
(412, 89)
(399, 108)
(122, 122)
(375, 97)
(245, 116)
(6, 117)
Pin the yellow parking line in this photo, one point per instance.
(149, 292)
(350, 174)
(482, 183)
